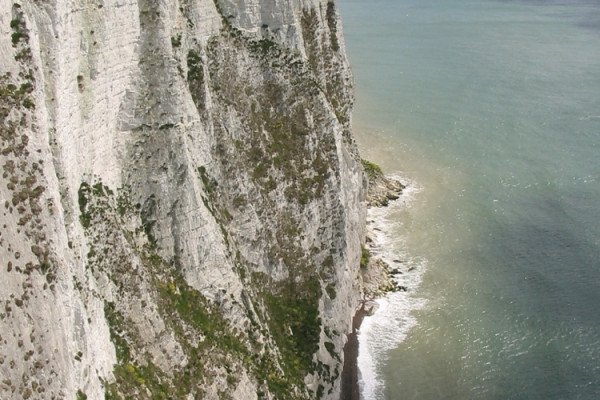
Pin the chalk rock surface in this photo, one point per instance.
(183, 204)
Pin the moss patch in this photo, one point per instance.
(372, 170)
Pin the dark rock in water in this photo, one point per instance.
(411, 268)
(396, 271)
(398, 261)
(402, 288)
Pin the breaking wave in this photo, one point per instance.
(393, 318)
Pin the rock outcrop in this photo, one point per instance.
(183, 204)
(378, 275)
(382, 189)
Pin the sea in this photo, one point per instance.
(489, 110)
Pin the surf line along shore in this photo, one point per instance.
(376, 275)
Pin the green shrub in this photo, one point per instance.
(176, 41)
(28, 103)
(17, 36)
(364, 257)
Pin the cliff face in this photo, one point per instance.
(182, 200)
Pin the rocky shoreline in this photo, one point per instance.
(378, 275)
(377, 279)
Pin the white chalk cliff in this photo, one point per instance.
(182, 200)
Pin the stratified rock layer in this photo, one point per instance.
(182, 200)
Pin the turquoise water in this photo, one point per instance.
(492, 109)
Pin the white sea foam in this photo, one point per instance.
(393, 318)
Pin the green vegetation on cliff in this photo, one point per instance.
(372, 170)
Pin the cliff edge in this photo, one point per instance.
(183, 204)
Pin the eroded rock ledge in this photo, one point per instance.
(382, 189)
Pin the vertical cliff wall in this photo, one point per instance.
(182, 199)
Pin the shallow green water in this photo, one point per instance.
(492, 109)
